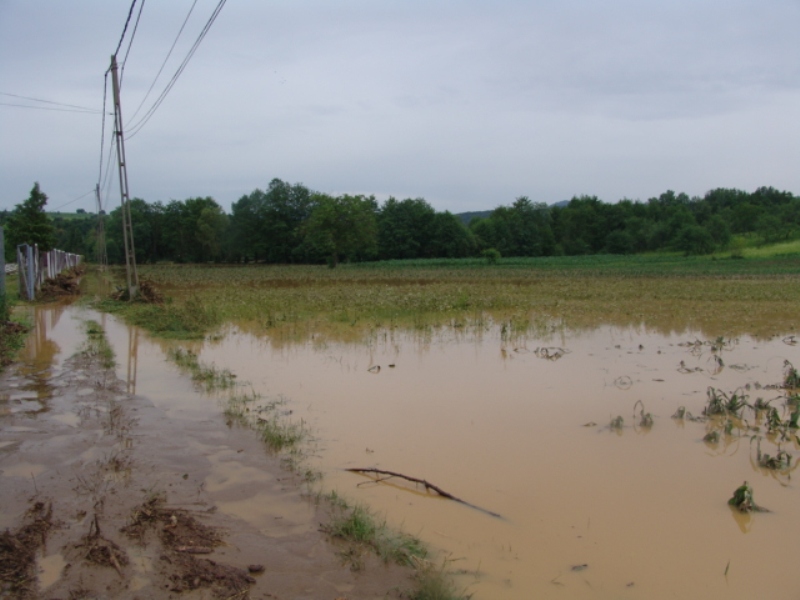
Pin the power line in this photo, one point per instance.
(164, 64)
(71, 201)
(124, 29)
(137, 127)
(77, 108)
(103, 128)
(130, 43)
(72, 110)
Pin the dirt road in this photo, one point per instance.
(103, 494)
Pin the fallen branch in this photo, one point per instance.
(427, 485)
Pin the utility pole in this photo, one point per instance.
(127, 226)
(100, 245)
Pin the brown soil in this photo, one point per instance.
(148, 293)
(102, 495)
(66, 283)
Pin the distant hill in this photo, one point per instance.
(466, 217)
(69, 216)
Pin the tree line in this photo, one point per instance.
(289, 223)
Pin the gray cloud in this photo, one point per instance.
(468, 104)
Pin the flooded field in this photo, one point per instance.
(513, 424)
(521, 428)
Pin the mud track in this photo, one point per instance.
(102, 495)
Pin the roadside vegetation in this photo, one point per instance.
(12, 331)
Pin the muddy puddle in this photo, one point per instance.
(517, 426)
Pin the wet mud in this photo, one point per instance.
(107, 494)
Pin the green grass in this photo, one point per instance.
(191, 318)
(783, 249)
(97, 345)
(359, 526)
(210, 378)
(360, 529)
(13, 328)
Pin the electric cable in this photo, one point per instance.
(164, 64)
(58, 208)
(130, 43)
(72, 110)
(124, 29)
(73, 106)
(137, 127)
(103, 128)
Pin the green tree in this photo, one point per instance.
(29, 223)
(694, 239)
(343, 227)
(522, 229)
(405, 229)
(267, 225)
(211, 226)
(450, 238)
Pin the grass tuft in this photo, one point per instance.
(97, 345)
(210, 378)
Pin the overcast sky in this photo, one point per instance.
(468, 104)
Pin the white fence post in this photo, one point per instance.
(34, 267)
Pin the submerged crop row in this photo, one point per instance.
(291, 300)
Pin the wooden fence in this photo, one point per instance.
(34, 267)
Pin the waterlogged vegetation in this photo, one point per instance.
(97, 345)
(12, 330)
(190, 318)
(210, 378)
(524, 294)
(360, 530)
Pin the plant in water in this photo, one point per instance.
(791, 378)
(210, 378)
(617, 423)
(359, 526)
(433, 583)
(645, 419)
(97, 344)
(782, 459)
(720, 403)
(742, 499)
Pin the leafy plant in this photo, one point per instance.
(742, 499)
(791, 378)
(720, 403)
(491, 256)
(645, 419)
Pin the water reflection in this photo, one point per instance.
(133, 359)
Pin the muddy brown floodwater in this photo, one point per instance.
(127, 483)
(588, 512)
(517, 426)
